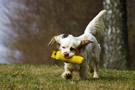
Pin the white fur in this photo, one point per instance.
(91, 52)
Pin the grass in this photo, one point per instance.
(43, 77)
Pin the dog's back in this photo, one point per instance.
(96, 26)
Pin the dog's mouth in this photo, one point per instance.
(67, 57)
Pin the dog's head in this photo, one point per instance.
(68, 44)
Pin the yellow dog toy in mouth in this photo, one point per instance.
(74, 59)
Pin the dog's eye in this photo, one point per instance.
(63, 47)
(72, 49)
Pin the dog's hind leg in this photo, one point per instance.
(96, 70)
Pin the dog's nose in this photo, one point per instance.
(66, 54)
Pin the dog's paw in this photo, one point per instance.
(67, 75)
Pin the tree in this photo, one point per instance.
(116, 35)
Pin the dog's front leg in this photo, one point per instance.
(83, 71)
(67, 74)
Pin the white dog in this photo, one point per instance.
(85, 45)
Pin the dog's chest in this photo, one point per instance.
(73, 67)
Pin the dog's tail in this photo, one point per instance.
(97, 24)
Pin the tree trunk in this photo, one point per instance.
(116, 35)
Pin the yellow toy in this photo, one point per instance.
(75, 59)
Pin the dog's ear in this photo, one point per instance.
(84, 43)
(55, 40)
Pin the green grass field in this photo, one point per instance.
(42, 77)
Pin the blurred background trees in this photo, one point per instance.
(36, 22)
(33, 23)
